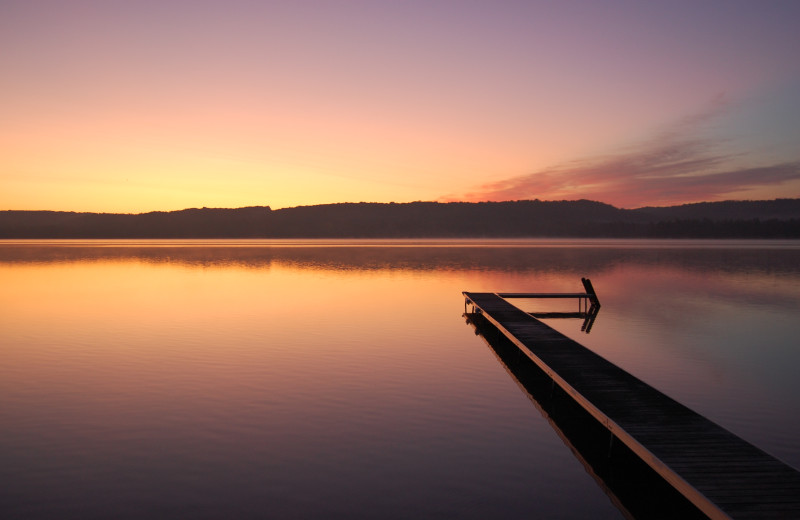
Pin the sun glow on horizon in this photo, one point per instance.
(152, 106)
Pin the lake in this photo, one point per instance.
(339, 379)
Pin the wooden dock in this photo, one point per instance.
(721, 474)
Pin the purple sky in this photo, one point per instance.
(137, 106)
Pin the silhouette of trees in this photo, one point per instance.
(526, 218)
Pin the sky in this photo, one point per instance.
(120, 106)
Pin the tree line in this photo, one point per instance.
(778, 218)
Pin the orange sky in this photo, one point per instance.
(139, 106)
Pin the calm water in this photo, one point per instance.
(257, 379)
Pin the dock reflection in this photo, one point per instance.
(588, 316)
(632, 486)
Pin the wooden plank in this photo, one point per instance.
(543, 295)
(634, 488)
(722, 474)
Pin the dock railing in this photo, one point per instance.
(588, 304)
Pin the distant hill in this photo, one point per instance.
(529, 218)
(781, 209)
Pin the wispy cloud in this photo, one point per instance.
(675, 167)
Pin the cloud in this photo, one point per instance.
(678, 166)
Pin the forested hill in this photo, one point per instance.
(731, 219)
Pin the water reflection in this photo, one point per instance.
(632, 486)
(521, 256)
(318, 379)
(588, 316)
(206, 386)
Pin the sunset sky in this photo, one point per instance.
(133, 106)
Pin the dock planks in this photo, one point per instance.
(722, 474)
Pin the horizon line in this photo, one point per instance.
(402, 203)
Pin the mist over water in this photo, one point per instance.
(307, 379)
